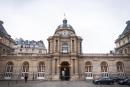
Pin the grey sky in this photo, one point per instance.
(98, 22)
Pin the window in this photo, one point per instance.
(64, 48)
(20, 49)
(88, 67)
(8, 70)
(25, 69)
(123, 41)
(88, 70)
(120, 51)
(104, 69)
(41, 70)
(80, 47)
(55, 66)
(73, 66)
(40, 51)
(72, 45)
(41, 67)
(4, 51)
(21, 46)
(56, 48)
(32, 49)
(125, 51)
(120, 69)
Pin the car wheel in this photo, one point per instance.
(98, 83)
(112, 83)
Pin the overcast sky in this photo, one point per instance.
(98, 22)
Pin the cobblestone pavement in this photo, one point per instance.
(54, 84)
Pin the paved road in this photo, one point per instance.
(54, 84)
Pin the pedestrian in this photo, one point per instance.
(26, 77)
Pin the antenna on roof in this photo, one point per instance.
(64, 20)
(64, 15)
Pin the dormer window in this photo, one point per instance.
(65, 48)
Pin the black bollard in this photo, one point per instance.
(8, 83)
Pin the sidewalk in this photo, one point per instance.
(53, 84)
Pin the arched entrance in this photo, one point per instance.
(65, 71)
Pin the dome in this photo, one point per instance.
(65, 26)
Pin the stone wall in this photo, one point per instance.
(52, 68)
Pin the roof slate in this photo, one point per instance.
(127, 29)
(3, 32)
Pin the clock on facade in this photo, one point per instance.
(65, 33)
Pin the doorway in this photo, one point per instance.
(65, 71)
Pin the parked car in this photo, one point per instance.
(129, 82)
(117, 79)
(124, 82)
(103, 80)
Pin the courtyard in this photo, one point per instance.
(54, 84)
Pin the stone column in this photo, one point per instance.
(81, 69)
(19, 68)
(30, 72)
(34, 69)
(58, 67)
(16, 70)
(112, 68)
(74, 63)
(49, 69)
(96, 69)
(76, 66)
(53, 66)
(76, 70)
(127, 68)
(71, 67)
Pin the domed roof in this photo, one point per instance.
(65, 26)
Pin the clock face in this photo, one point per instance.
(65, 33)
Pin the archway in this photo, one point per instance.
(64, 71)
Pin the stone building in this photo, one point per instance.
(26, 47)
(64, 61)
(123, 41)
(6, 42)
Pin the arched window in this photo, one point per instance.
(104, 69)
(41, 70)
(9, 67)
(80, 47)
(125, 51)
(56, 48)
(8, 70)
(65, 48)
(120, 69)
(25, 69)
(120, 51)
(88, 70)
(41, 67)
(88, 67)
(72, 45)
